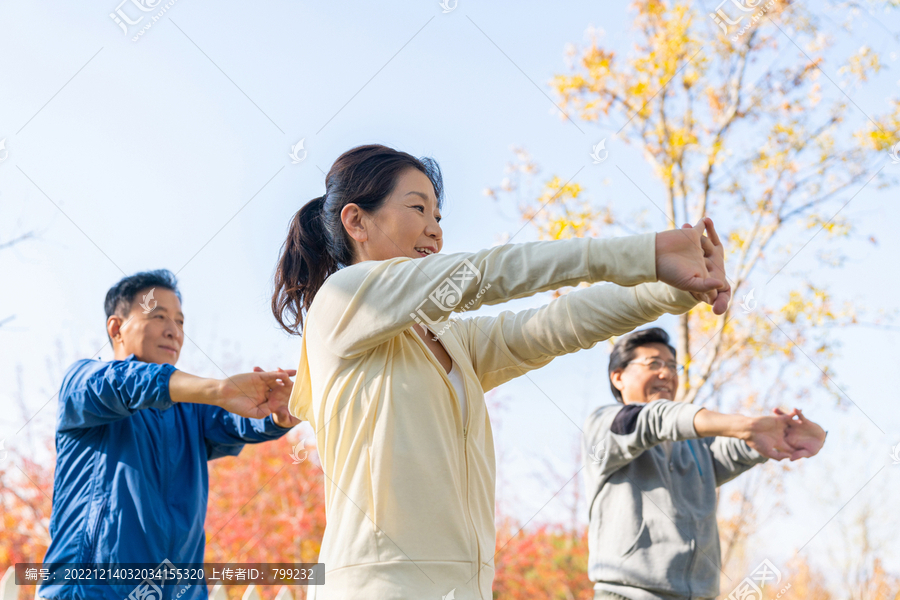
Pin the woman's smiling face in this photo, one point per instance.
(407, 224)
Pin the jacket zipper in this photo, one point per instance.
(96, 532)
(468, 508)
(690, 573)
(465, 448)
(163, 416)
(466, 457)
(104, 499)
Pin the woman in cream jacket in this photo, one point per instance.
(395, 389)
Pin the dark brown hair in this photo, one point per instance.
(317, 244)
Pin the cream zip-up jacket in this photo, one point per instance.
(409, 487)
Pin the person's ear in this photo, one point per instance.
(113, 327)
(616, 378)
(353, 218)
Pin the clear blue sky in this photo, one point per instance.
(172, 151)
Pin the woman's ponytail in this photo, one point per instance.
(304, 264)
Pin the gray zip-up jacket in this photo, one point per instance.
(651, 487)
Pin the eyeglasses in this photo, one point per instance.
(655, 365)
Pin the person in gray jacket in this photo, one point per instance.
(652, 466)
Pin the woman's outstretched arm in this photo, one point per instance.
(512, 343)
(368, 303)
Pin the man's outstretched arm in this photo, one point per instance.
(95, 393)
(226, 433)
(763, 434)
(252, 395)
(738, 443)
(777, 437)
(616, 435)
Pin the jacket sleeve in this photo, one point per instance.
(508, 345)
(95, 393)
(366, 304)
(616, 435)
(731, 457)
(226, 433)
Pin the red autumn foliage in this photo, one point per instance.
(26, 489)
(264, 508)
(546, 562)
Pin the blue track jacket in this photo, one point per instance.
(131, 480)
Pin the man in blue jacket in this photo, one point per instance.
(652, 466)
(133, 437)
